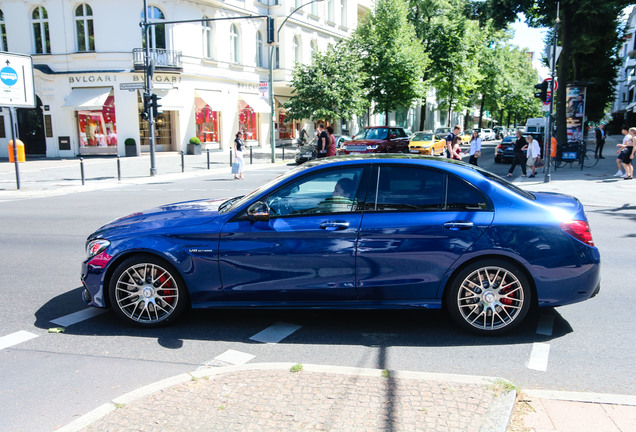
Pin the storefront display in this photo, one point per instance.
(248, 121)
(207, 122)
(98, 128)
(285, 125)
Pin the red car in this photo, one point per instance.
(378, 139)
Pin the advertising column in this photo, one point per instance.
(575, 111)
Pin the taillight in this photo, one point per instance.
(500, 146)
(580, 230)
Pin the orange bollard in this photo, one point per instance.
(21, 155)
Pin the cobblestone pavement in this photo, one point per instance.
(317, 398)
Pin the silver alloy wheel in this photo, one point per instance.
(490, 298)
(146, 293)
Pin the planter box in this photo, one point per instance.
(131, 150)
(194, 149)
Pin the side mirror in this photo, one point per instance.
(259, 211)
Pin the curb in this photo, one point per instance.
(496, 419)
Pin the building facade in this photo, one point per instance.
(211, 75)
(624, 105)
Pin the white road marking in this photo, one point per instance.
(275, 333)
(76, 317)
(15, 338)
(539, 357)
(545, 325)
(234, 357)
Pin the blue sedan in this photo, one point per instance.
(353, 232)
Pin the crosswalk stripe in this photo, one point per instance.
(79, 316)
(539, 357)
(15, 338)
(275, 333)
(234, 357)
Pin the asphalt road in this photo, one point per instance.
(49, 379)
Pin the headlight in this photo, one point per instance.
(95, 247)
(372, 147)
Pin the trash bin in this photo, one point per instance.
(21, 155)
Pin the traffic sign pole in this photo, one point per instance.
(12, 116)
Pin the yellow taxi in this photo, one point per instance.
(427, 143)
(466, 136)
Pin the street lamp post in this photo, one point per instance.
(272, 138)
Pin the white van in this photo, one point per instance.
(535, 125)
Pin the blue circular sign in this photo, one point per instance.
(8, 76)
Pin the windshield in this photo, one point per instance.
(236, 202)
(422, 137)
(374, 133)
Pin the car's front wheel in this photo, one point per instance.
(489, 297)
(147, 291)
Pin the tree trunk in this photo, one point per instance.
(422, 115)
(481, 111)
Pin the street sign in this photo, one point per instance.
(549, 92)
(17, 87)
(131, 86)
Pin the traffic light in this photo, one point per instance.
(541, 91)
(145, 113)
(155, 106)
(270, 30)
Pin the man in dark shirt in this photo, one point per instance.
(450, 138)
(600, 141)
(521, 145)
(323, 141)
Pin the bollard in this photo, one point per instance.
(283, 151)
(208, 158)
(182, 162)
(82, 170)
(118, 168)
(251, 151)
(230, 157)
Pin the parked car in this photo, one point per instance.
(389, 232)
(307, 152)
(487, 135)
(427, 144)
(341, 139)
(505, 150)
(466, 136)
(377, 139)
(443, 131)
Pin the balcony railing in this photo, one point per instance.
(165, 60)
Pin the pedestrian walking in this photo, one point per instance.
(600, 141)
(331, 150)
(456, 151)
(521, 145)
(533, 154)
(474, 152)
(323, 141)
(621, 146)
(626, 154)
(450, 139)
(239, 148)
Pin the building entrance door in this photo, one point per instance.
(31, 129)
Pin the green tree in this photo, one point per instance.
(392, 55)
(330, 88)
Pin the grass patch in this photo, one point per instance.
(296, 368)
(386, 373)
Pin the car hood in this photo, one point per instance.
(564, 206)
(419, 143)
(181, 214)
(306, 148)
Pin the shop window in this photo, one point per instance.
(41, 40)
(248, 121)
(98, 128)
(207, 122)
(84, 28)
(285, 125)
(3, 34)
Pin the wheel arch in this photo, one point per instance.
(451, 278)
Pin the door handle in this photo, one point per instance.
(458, 225)
(334, 225)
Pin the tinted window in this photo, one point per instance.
(325, 192)
(399, 188)
(464, 196)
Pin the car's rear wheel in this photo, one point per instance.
(489, 297)
(147, 291)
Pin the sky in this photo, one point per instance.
(532, 39)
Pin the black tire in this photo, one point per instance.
(147, 291)
(489, 297)
(589, 159)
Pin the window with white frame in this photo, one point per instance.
(208, 42)
(330, 10)
(260, 60)
(157, 32)
(314, 49)
(3, 34)
(343, 12)
(314, 8)
(41, 40)
(84, 33)
(234, 44)
(296, 48)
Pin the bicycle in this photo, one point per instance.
(574, 151)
